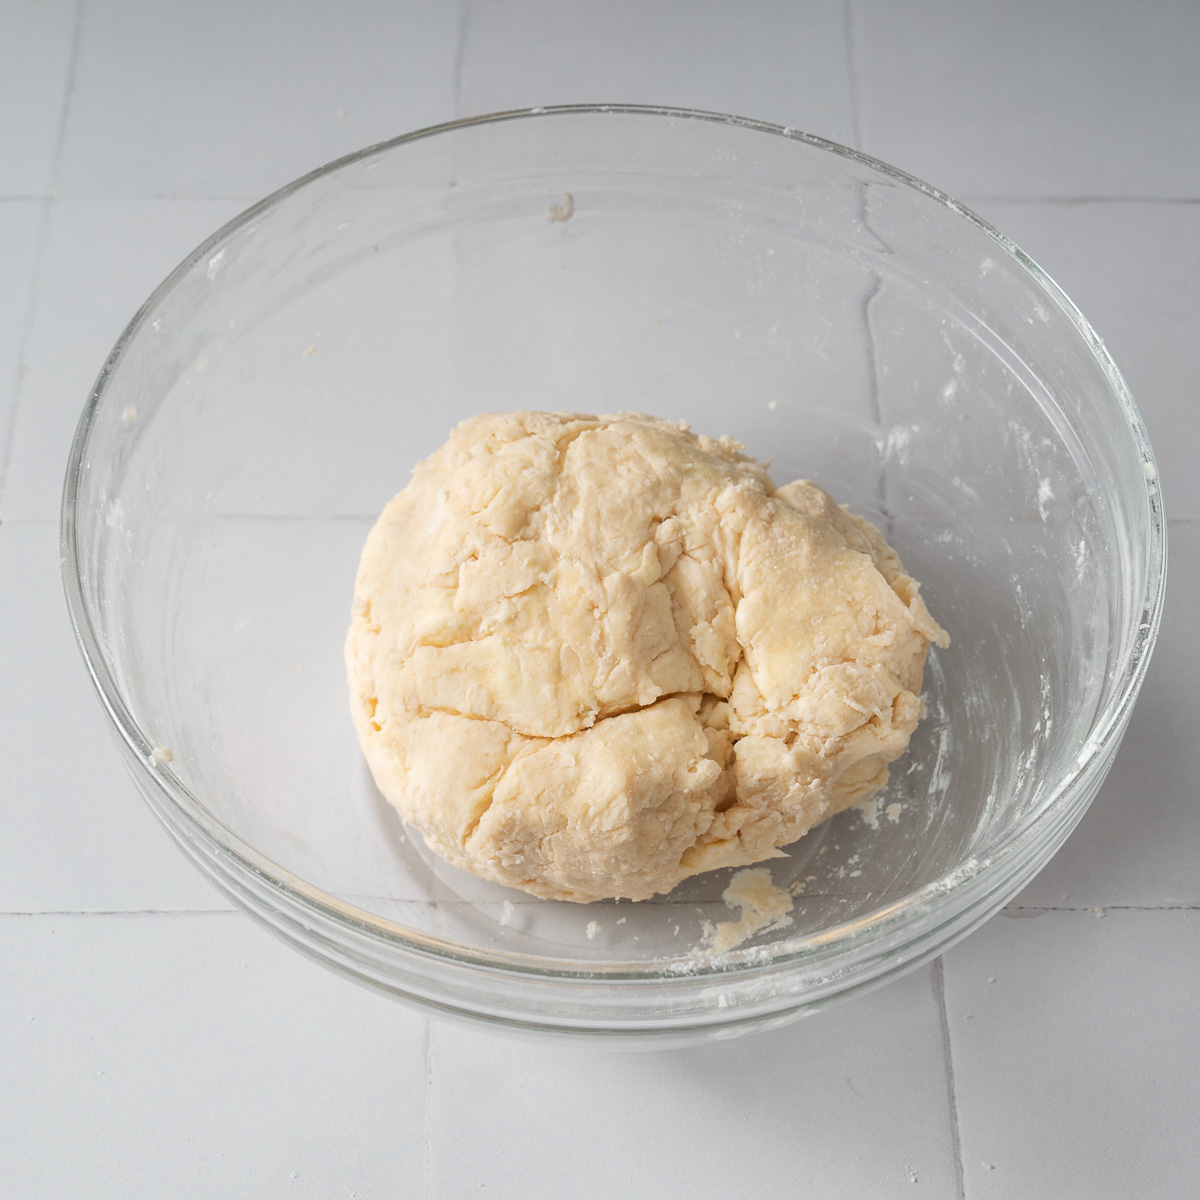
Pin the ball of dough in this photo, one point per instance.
(592, 656)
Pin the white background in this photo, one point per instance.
(155, 1044)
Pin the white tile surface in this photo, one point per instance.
(849, 1103)
(231, 1067)
(1137, 843)
(769, 59)
(35, 52)
(189, 1056)
(227, 96)
(1074, 1069)
(74, 833)
(1134, 271)
(102, 259)
(1026, 98)
(20, 221)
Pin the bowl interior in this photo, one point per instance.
(277, 392)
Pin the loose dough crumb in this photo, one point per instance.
(161, 755)
(763, 906)
(592, 656)
(593, 928)
(561, 210)
(868, 809)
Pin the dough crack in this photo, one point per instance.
(489, 788)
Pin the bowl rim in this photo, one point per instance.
(881, 923)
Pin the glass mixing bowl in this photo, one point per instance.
(860, 327)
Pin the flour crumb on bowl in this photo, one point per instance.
(561, 210)
(763, 906)
(868, 809)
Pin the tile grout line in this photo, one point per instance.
(244, 197)
(9, 432)
(1033, 910)
(939, 993)
(852, 67)
(1069, 200)
(8, 424)
(427, 1111)
(881, 483)
(1011, 910)
(460, 57)
(881, 488)
(253, 197)
(856, 120)
(120, 912)
(64, 116)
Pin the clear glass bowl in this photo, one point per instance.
(860, 327)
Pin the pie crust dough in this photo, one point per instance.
(592, 656)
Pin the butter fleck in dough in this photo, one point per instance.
(592, 656)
